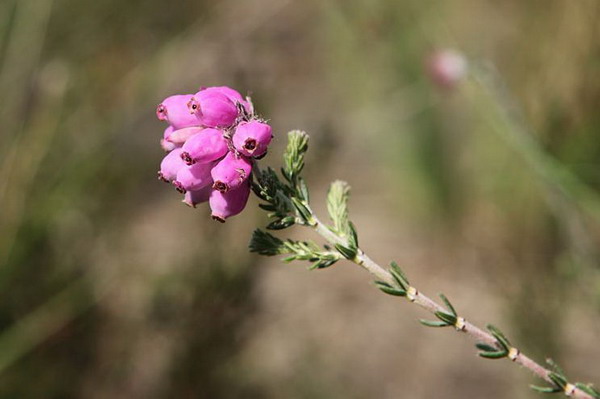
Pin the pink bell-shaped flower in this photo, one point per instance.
(180, 136)
(252, 138)
(164, 142)
(232, 94)
(170, 165)
(230, 203)
(195, 197)
(193, 177)
(204, 147)
(231, 172)
(213, 109)
(175, 111)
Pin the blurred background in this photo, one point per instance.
(486, 190)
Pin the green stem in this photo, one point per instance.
(431, 306)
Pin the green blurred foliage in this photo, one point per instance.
(108, 287)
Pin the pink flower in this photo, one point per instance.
(168, 132)
(179, 137)
(175, 111)
(195, 197)
(232, 94)
(212, 140)
(193, 177)
(170, 165)
(226, 204)
(213, 109)
(231, 172)
(204, 147)
(252, 138)
(164, 142)
(446, 68)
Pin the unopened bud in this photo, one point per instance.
(204, 147)
(446, 68)
(180, 136)
(193, 177)
(164, 142)
(167, 146)
(213, 109)
(232, 94)
(170, 165)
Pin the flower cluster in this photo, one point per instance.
(212, 140)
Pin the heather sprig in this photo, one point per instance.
(286, 201)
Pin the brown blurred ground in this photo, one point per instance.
(109, 287)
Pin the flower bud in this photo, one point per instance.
(174, 110)
(164, 143)
(231, 172)
(446, 68)
(230, 203)
(170, 165)
(252, 138)
(204, 147)
(167, 146)
(232, 94)
(195, 197)
(193, 177)
(180, 136)
(213, 109)
(167, 132)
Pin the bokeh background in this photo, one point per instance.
(111, 288)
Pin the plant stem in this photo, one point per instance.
(432, 306)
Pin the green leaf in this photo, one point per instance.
(399, 271)
(303, 211)
(485, 347)
(555, 367)
(337, 206)
(353, 235)
(448, 304)
(266, 244)
(433, 323)
(399, 275)
(322, 264)
(493, 355)
(303, 193)
(388, 289)
(558, 379)
(282, 223)
(267, 207)
(293, 157)
(500, 337)
(545, 389)
(588, 388)
(346, 252)
(446, 317)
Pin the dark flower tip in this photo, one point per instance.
(194, 106)
(187, 158)
(250, 145)
(218, 219)
(161, 112)
(161, 177)
(179, 187)
(220, 186)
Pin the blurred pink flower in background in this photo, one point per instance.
(446, 67)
